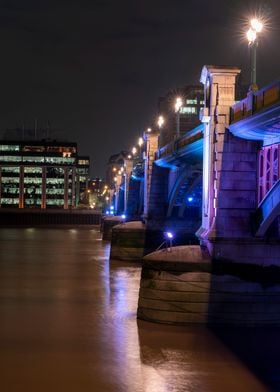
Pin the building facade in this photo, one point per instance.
(38, 174)
(192, 101)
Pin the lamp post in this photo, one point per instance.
(256, 27)
(140, 144)
(160, 121)
(134, 151)
(178, 105)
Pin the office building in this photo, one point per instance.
(40, 174)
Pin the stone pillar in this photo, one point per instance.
(118, 182)
(128, 166)
(220, 151)
(151, 139)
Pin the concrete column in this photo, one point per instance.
(66, 176)
(128, 166)
(74, 195)
(44, 180)
(21, 187)
(151, 139)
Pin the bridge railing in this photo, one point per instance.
(269, 169)
(255, 102)
(188, 138)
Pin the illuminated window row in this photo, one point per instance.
(55, 191)
(33, 202)
(7, 147)
(58, 202)
(31, 180)
(37, 159)
(188, 110)
(83, 162)
(10, 180)
(194, 102)
(9, 200)
(9, 169)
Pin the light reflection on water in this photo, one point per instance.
(68, 323)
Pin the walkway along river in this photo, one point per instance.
(68, 323)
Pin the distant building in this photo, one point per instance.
(40, 174)
(114, 164)
(99, 194)
(82, 173)
(193, 99)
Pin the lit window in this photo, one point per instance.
(188, 110)
(33, 148)
(191, 101)
(7, 158)
(32, 159)
(6, 147)
(9, 169)
(83, 162)
(32, 170)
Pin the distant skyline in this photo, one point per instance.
(95, 69)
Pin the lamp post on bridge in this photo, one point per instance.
(160, 122)
(256, 27)
(178, 105)
(140, 144)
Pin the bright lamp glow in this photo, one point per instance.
(178, 104)
(169, 235)
(140, 141)
(251, 35)
(256, 25)
(160, 121)
(123, 216)
(190, 198)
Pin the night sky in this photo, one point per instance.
(95, 69)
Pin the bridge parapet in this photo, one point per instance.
(177, 145)
(255, 102)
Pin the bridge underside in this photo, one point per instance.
(185, 192)
(263, 126)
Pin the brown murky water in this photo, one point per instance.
(68, 323)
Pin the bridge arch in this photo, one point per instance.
(184, 185)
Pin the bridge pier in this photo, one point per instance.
(134, 239)
(230, 175)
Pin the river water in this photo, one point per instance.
(68, 323)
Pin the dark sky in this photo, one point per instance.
(95, 69)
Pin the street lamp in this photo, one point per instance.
(140, 144)
(256, 27)
(160, 121)
(178, 105)
(134, 150)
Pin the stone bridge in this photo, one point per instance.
(219, 182)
